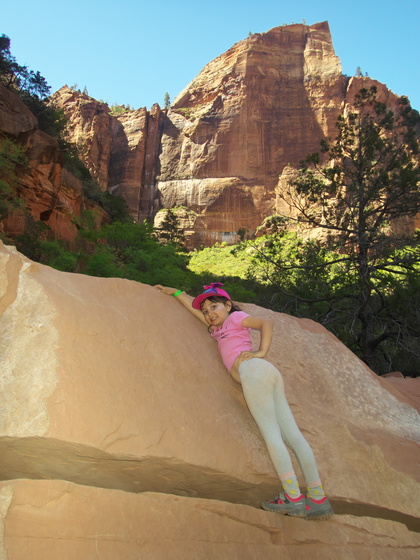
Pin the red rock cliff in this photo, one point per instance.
(263, 105)
(121, 152)
(52, 194)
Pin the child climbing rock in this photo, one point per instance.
(263, 389)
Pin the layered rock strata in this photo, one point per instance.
(120, 151)
(249, 116)
(112, 390)
(51, 193)
(257, 109)
(51, 519)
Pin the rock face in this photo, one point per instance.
(221, 147)
(55, 519)
(264, 103)
(121, 152)
(250, 116)
(119, 419)
(52, 194)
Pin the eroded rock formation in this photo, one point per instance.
(121, 432)
(257, 109)
(248, 118)
(52, 194)
(121, 152)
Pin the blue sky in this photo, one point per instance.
(133, 51)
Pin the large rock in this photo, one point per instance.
(109, 384)
(51, 193)
(55, 519)
(120, 151)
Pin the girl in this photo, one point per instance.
(263, 389)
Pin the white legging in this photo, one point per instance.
(263, 388)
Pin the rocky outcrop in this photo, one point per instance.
(47, 520)
(119, 419)
(52, 194)
(263, 105)
(120, 151)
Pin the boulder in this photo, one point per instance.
(109, 384)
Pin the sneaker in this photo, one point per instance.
(318, 510)
(286, 506)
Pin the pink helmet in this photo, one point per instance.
(209, 291)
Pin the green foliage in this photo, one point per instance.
(32, 88)
(12, 156)
(170, 230)
(115, 206)
(129, 250)
(29, 243)
(166, 101)
(185, 111)
(220, 261)
(55, 255)
(116, 109)
(370, 178)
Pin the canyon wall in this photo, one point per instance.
(219, 150)
(222, 145)
(121, 152)
(52, 195)
(216, 155)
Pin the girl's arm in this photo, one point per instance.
(265, 326)
(183, 298)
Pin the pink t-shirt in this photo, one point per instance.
(232, 338)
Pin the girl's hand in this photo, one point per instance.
(244, 356)
(184, 299)
(166, 290)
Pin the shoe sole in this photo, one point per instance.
(321, 516)
(301, 515)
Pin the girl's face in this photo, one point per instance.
(215, 313)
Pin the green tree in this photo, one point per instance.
(18, 77)
(170, 230)
(32, 88)
(166, 101)
(359, 190)
(12, 157)
(9, 68)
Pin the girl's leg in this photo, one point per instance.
(263, 385)
(292, 436)
(263, 388)
(258, 389)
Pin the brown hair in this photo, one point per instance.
(222, 299)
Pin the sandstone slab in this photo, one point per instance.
(45, 520)
(109, 383)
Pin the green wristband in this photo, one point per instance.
(176, 294)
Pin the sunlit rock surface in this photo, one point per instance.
(113, 396)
